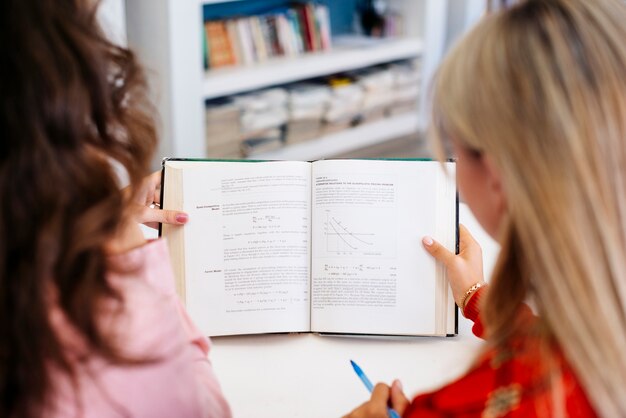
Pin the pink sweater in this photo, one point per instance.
(181, 383)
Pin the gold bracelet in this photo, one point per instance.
(470, 291)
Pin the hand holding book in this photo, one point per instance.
(144, 209)
(147, 204)
(331, 246)
(464, 270)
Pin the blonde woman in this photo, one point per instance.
(533, 103)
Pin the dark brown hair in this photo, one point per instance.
(71, 103)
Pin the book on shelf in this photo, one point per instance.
(272, 30)
(286, 32)
(219, 46)
(345, 103)
(235, 42)
(223, 129)
(258, 40)
(266, 140)
(330, 246)
(244, 39)
(322, 19)
(310, 109)
(297, 32)
(306, 22)
(307, 104)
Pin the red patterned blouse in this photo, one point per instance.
(506, 382)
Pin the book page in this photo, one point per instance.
(370, 273)
(247, 246)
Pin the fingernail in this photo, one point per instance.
(182, 218)
(398, 384)
(427, 241)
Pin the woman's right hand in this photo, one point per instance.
(464, 269)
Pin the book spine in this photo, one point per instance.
(294, 21)
(247, 50)
(259, 43)
(323, 18)
(282, 34)
(266, 37)
(233, 37)
(205, 48)
(274, 38)
(313, 27)
(305, 28)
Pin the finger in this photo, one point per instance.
(153, 225)
(399, 401)
(171, 217)
(156, 196)
(380, 394)
(155, 183)
(376, 406)
(357, 413)
(437, 250)
(146, 190)
(465, 237)
(467, 243)
(155, 178)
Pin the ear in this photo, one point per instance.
(495, 185)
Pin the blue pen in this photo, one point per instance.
(370, 387)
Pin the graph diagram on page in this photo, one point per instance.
(358, 235)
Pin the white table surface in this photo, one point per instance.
(306, 375)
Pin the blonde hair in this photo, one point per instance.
(541, 89)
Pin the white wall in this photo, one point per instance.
(462, 15)
(112, 15)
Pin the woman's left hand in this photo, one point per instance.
(147, 204)
(383, 397)
(145, 210)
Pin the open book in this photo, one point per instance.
(332, 246)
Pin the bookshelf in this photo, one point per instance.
(360, 136)
(166, 34)
(227, 81)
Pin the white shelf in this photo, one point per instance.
(166, 36)
(360, 136)
(231, 80)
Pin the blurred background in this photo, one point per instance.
(295, 80)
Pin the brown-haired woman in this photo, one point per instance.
(533, 102)
(89, 322)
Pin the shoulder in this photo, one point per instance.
(142, 317)
(149, 263)
(512, 380)
(147, 324)
(146, 319)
